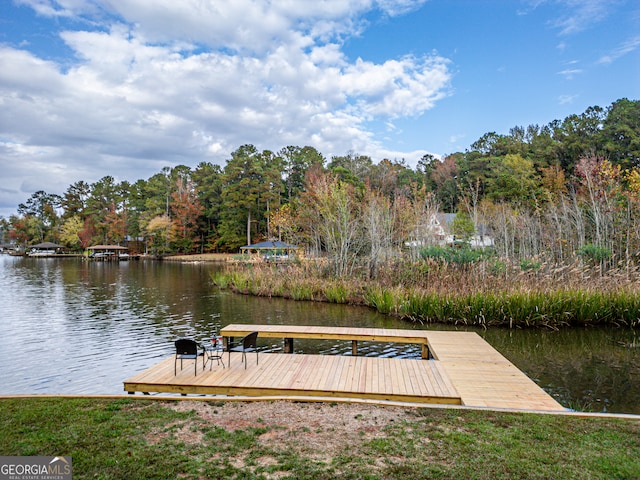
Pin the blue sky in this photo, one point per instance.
(90, 88)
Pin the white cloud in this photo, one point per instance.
(165, 82)
(569, 73)
(627, 47)
(576, 15)
(56, 8)
(581, 14)
(566, 99)
(244, 25)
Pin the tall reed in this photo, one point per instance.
(384, 301)
(548, 296)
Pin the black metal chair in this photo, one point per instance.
(248, 344)
(187, 349)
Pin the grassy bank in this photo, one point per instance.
(471, 296)
(199, 257)
(131, 438)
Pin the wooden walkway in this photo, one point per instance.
(485, 378)
(354, 334)
(465, 370)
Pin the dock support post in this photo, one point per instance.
(354, 347)
(288, 345)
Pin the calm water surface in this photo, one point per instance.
(71, 326)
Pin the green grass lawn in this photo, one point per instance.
(146, 439)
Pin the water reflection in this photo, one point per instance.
(71, 326)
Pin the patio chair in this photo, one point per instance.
(248, 344)
(187, 349)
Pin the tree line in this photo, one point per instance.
(550, 192)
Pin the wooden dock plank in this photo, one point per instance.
(358, 373)
(303, 376)
(413, 378)
(429, 380)
(408, 376)
(347, 373)
(364, 377)
(419, 378)
(353, 375)
(324, 369)
(442, 378)
(333, 378)
(396, 377)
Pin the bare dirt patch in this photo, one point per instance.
(320, 430)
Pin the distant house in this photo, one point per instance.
(437, 231)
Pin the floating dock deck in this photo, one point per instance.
(463, 370)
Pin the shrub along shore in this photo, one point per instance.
(477, 294)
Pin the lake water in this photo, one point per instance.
(75, 327)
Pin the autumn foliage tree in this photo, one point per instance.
(185, 210)
(330, 214)
(113, 226)
(87, 233)
(159, 230)
(69, 233)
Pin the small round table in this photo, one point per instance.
(213, 350)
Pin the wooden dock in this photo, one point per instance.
(464, 370)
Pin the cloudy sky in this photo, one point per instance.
(90, 88)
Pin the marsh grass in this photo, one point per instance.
(384, 301)
(301, 292)
(133, 438)
(338, 292)
(221, 279)
(548, 296)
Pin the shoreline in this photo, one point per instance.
(199, 257)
